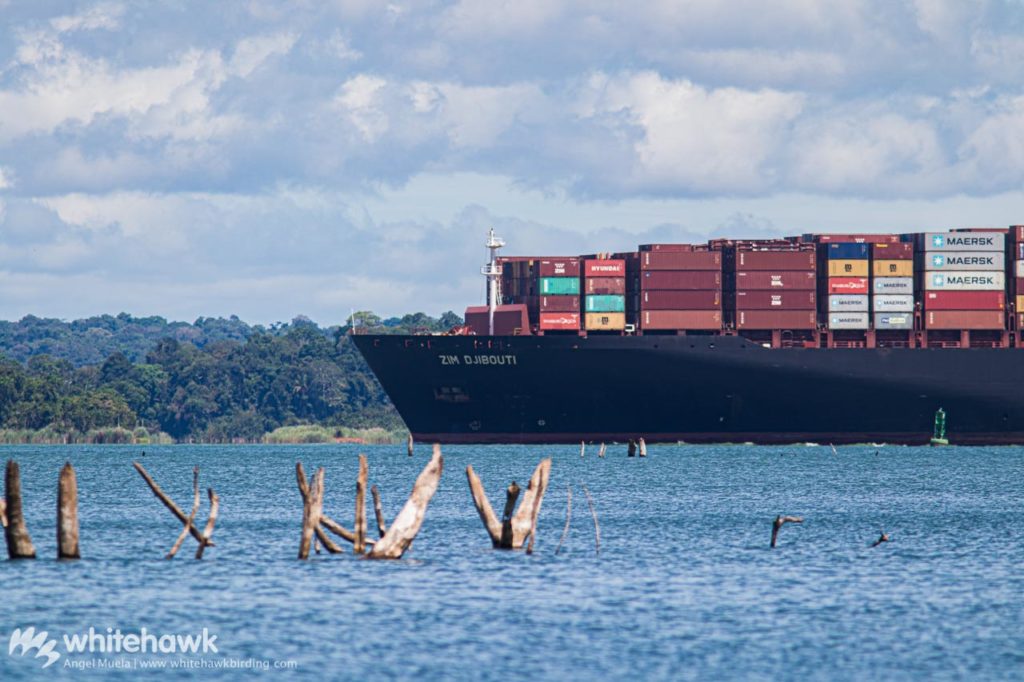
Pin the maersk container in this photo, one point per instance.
(965, 281)
(681, 300)
(681, 260)
(605, 304)
(963, 241)
(900, 303)
(556, 321)
(894, 321)
(847, 285)
(605, 285)
(964, 300)
(857, 303)
(964, 319)
(561, 286)
(775, 260)
(849, 320)
(776, 319)
(964, 260)
(847, 251)
(848, 268)
(681, 319)
(681, 279)
(892, 268)
(893, 285)
(605, 321)
(802, 280)
(775, 300)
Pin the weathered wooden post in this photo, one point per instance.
(583, 448)
(3, 512)
(312, 508)
(631, 450)
(408, 445)
(600, 452)
(597, 526)
(643, 448)
(779, 522)
(324, 521)
(19, 544)
(407, 524)
(378, 511)
(67, 514)
(359, 546)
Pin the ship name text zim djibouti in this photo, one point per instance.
(855, 338)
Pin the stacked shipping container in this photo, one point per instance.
(846, 285)
(892, 285)
(549, 287)
(680, 288)
(604, 281)
(1015, 243)
(772, 289)
(964, 280)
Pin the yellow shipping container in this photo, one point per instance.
(847, 268)
(893, 268)
(1020, 305)
(605, 321)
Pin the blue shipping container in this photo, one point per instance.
(606, 303)
(843, 251)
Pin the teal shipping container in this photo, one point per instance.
(560, 286)
(606, 304)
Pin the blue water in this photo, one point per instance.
(685, 586)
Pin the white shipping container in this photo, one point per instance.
(965, 281)
(893, 303)
(894, 321)
(893, 285)
(853, 303)
(965, 241)
(1020, 268)
(965, 260)
(849, 320)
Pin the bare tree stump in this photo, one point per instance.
(3, 512)
(19, 544)
(169, 503)
(312, 507)
(407, 524)
(210, 522)
(600, 452)
(326, 523)
(884, 537)
(515, 529)
(359, 546)
(378, 511)
(779, 522)
(568, 518)
(67, 514)
(524, 523)
(189, 523)
(408, 445)
(631, 449)
(643, 448)
(507, 536)
(583, 448)
(597, 526)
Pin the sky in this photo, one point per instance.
(273, 159)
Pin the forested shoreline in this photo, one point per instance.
(122, 379)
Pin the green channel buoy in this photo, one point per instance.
(939, 433)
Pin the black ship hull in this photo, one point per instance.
(567, 389)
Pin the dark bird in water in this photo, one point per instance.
(777, 524)
(884, 537)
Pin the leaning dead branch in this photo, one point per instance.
(210, 522)
(203, 538)
(191, 517)
(169, 503)
(597, 526)
(407, 524)
(19, 544)
(67, 514)
(780, 521)
(378, 511)
(568, 518)
(325, 523)
(513, 530)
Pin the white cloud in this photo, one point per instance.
(105, 15)
(6, 178)
(251, 52)
(359, 99)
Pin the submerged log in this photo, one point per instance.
(189, 522)
(359, 546)
(210, 522)
(780, 521)
(378, 511)
(169, 503)
(597, 526)
(568, 518)
(407, 524)
(19, 544)
(67, 514)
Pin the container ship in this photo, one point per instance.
(857, 338)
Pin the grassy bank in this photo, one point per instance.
(109, 436)
(311, 433)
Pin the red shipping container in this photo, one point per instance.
(775, 260)
(680, 300)
(670, 247)
(680, 319)
(560, 304)
(604, 268)
(897, 251)
(964, 300)
(776, 319)
(776, 280)
(776, 300)
(681, 279)
(681, 260)
(964, 319)
(560, 267)
(847, 285)
(508, 320)
(605, 285)
(554, 321)
(856, 238)
(1017, 232)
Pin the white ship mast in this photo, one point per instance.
(492, 271)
